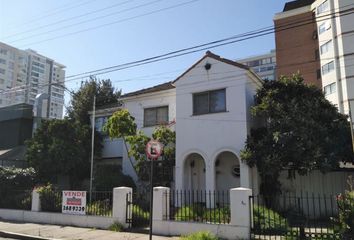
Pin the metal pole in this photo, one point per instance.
(351, 123)
(92, 142)
(151, 196)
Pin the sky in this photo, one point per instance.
(86, 35)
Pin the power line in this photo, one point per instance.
(89, 20)
(173, 54)
(68, 19)
(56, 11)
(115, 22)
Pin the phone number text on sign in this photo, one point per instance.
(74, 202)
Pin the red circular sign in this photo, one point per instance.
(153, 149)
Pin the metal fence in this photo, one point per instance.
(16, 199)
(138, 210)
(198, 206)
(100, 204)
(307, 216)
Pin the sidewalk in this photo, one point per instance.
(41, 231)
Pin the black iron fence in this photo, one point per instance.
(99, 205)
(198, 206)
(16, 199)
(304, 216)
(138, 210)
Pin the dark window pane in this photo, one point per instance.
(155, 116)
(149, 117)
(200, 103)
(217, 101)
(162, 115)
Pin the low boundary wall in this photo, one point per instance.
(57, 218)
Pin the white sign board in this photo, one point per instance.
(74, 202)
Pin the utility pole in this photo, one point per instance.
(351, 123)
(92, 143)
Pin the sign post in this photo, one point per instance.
(153, 152)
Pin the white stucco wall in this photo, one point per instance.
(211, 134)
(136, 106)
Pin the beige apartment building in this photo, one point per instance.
(24, 74)
(316, 38)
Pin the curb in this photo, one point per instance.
(23, 236)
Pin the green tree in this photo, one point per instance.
(82, 100)
(301, 130)
(60, 147)
(121, 125)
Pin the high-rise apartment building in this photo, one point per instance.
(316, 38)
(24, 74)
(264, 65)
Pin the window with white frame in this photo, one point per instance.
(323, 7)
(329, 89)
(324, 27)
(209, 102)
(155, 116)
(326, 47)
(328, 67)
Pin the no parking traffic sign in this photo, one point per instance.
(153, 149)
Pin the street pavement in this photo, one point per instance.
(27, 231)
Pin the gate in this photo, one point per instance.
(137, 212)
(307, 216)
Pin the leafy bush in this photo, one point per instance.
(345, 221)
(199, 236)
(268, 221)
(51, 200)
(116, 227)
(15, 187)
(189, 213)
(218, 215)
(140, 216)
(198, 212)
(99, 208)
(110, 176)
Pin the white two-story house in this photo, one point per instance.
(209, 108)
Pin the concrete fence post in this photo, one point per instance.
(119, 211)
(240, 208)
(161, 204)
(36, 202)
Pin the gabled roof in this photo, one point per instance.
(157, 88)
(216, 57)
(297, 4)
(170, 85)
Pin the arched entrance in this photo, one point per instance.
(227, 171)
(194, 172)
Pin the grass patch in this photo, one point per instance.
(199, 236)
(267, 221)
(116, 227)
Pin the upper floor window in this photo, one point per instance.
(2, 71)
(329, 89)
(323, 7)
(326, 47)
(324, 27)
(209, 102)
(3, 51)
(266, 60)
(3, 61)
(328, 67)
(100, 122)
(155, 116)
